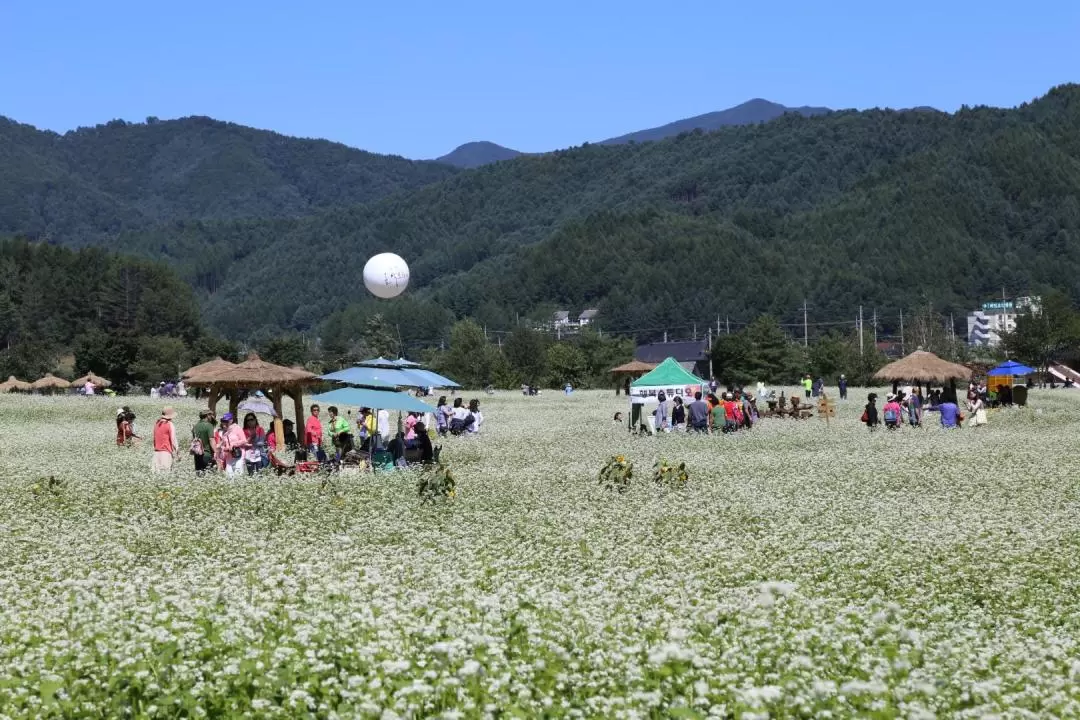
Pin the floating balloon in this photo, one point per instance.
(386, 275)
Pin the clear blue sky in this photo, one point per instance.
(418, 78)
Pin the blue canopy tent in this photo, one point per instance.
(434, 379)
(375, 399)
(390, 377)
(377, 377)
(403, 363)
(1012, 368)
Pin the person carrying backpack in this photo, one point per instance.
(202, 448)
(892, 413)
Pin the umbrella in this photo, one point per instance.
(91, 378)
(375, 399)
(1012, 367)
(634, 367)
(207, 369)
(14, 384)
(258, 405)
(50, 382)
(922, 366)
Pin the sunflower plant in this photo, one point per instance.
(436, 484)
(668, 475)
(617, 473)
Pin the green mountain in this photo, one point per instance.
(85, 186)
(748, 113)
(881, 208)
(477, 154)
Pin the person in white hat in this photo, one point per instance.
(164, 441)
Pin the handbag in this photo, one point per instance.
(196, 447)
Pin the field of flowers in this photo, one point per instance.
(803, 571)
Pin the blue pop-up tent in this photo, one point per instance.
(1012, 368)
(375, 399)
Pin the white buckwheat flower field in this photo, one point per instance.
(802, 570)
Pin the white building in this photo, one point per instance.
(560, 318)
(587, 316)
(994, 319)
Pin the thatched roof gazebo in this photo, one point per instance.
(206, 370)
(14, 384)
(92, 378)
(628, 372)
(276, 381)
(923, 367)
(50, 383)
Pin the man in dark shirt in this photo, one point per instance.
(698, 415)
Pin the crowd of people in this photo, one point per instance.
(708, 413)
(908, 406)
(243, 446)
(169, 389)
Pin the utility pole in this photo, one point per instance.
(717, 324)
(711, 373)
(665, 336)
(875, 327)
(860, 332)
(727, 321)
(695, 331)
(805, 326)
(902, 332)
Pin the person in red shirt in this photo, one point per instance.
(313, 434)
(164, 441)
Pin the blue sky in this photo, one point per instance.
(418, 78)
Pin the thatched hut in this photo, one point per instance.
(90, 377)
(206, 370)
(276, 381)
(14, 384)
(923, 367)
(50, 383)
(628, 372)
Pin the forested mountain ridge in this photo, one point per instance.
(476, 154)
(881, 208)
(747, 113)
(86, 185)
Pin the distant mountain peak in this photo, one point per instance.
(751, 112)
(477, 153)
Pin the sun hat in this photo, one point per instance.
(168, 413)
(119, 412)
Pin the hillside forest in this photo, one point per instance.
(889, 210)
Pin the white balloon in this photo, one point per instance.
(386, 275)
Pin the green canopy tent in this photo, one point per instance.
(669, 377)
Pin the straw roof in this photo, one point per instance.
(253, 373)
(14, 384)
(91, 377)
(207, 370)
(923, 366)
(50, 382)
(634, 366)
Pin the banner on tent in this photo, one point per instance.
(685, 391)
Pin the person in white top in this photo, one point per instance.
(88, 388)
(478, 417)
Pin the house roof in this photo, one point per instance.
(561, 315)
(684, 351)
(588, 314)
